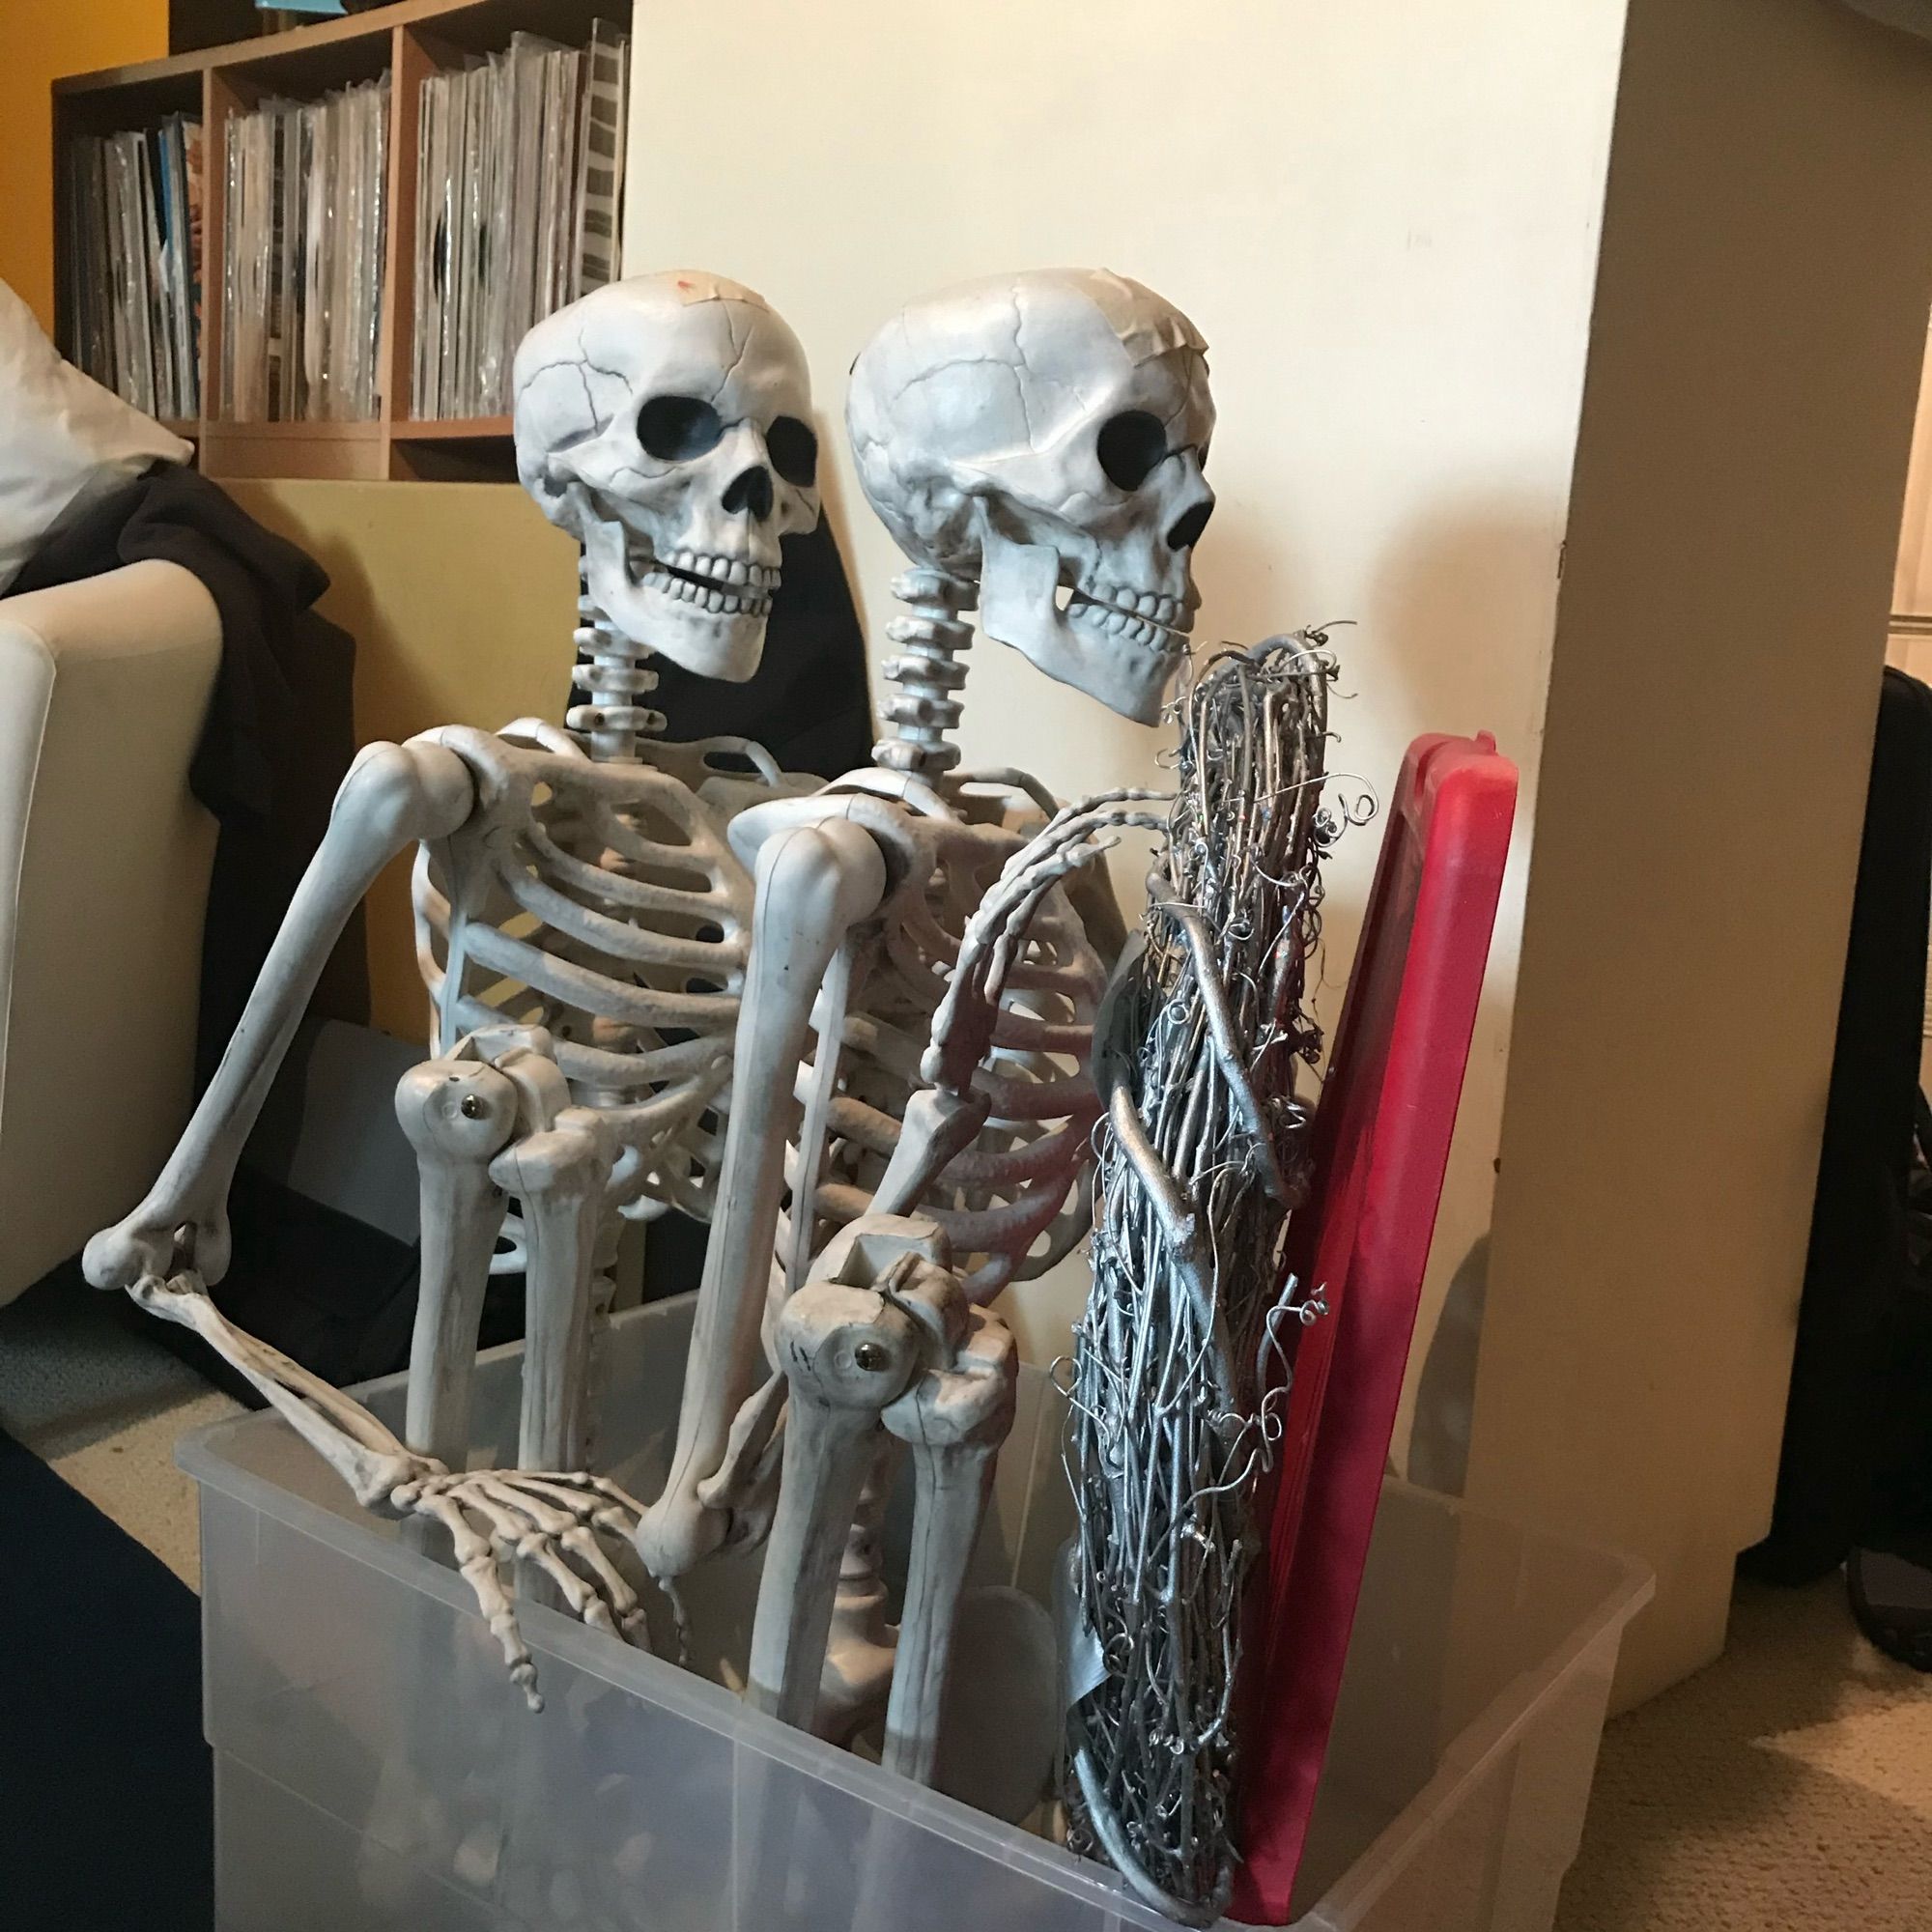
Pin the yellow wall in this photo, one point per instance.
(461, 599)
(41, 40)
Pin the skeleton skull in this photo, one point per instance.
(666, 423)
(1040, 432)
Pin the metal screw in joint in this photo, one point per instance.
(473, 1106)
(871, 1356)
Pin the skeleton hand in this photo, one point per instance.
(551, 1519)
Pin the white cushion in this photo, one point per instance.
(65, 442)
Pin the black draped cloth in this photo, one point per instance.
(809, 703)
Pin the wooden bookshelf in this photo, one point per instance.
(409, 39)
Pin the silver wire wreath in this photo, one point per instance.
(1202, 1154)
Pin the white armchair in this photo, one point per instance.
(104, 860)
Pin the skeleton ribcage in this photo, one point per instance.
(603, 904)
(1016, 1201)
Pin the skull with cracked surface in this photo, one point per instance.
(1043, 433)
(664, 421)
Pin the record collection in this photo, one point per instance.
(301, 283)
(134, 264)
(519, 176)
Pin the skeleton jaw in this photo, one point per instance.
(703, 611)
(1117, 644)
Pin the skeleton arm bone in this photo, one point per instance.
(395, 796)
(943, 1120)
(815, 884)
(956, 1416)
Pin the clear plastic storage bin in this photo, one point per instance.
(376, 1768)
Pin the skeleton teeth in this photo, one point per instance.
(1136, 633)
(707, 597)
(736, 573)
(1136, 616)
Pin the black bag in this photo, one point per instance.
(1856, 1467)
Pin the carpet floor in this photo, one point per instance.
(1788, 1785)
(102, 1405)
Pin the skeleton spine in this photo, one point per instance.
(612, 668)
(926, 705)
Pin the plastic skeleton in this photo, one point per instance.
(882, 1345)
(1038, 434)
(582, 919)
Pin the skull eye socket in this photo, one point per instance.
(1130, 445)
(676, 428)
(794, 451)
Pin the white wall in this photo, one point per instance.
(1756, 344)
(1383, 218)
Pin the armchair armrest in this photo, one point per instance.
(104, 859)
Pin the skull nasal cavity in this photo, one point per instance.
(1186, 530)
(751, 489)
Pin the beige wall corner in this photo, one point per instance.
(1383, 219)
(1754, 355)
(461, 599)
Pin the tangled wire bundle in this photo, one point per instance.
(1176, 1372)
